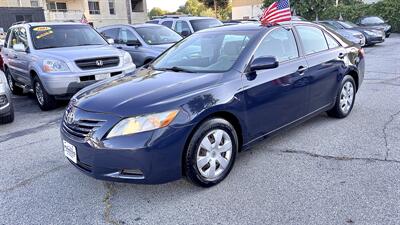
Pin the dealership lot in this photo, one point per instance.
(326, 171)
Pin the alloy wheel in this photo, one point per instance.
(214, 154)
(39, 93)
(10, 81)
(347, 97)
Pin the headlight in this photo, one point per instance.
(127, 58)
(51, 65)
(144, 123)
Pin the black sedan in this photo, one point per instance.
(375, 22)
(211, 95)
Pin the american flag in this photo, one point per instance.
(83, 19)
(277, 12)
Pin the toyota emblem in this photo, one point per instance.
(70, 117)
(99, 63)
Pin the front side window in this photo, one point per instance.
(111, 33)
(208, 52)
(182, 26)
(59, 36)
(111, 6)
(94, 7)
(312, 38)
(158, 35)
(126, 36)
(201, 24)
(279, 43)
(18, 36)
(167, 24)
(332, 43)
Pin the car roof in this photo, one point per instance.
(184, 18)
(139, 25)
(34, 24)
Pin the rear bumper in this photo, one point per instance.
(69, 83)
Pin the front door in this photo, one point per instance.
(126, 38)
(276, 97)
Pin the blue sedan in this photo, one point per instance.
(210, 96)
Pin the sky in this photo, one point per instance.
(170, 5)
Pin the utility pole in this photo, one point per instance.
(215, 8)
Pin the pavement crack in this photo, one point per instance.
(338, 158)
(31, 179)
(110, 187)
(385, 133)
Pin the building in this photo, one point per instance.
(246, 9)
(98, 12)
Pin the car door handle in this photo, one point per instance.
(302, 69)
(341, 55)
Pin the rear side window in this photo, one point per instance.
(332, 43)
(167, 24)
(312, 38)
(279, 43)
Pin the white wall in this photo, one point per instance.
(239, 12)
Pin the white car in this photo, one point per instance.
(6, 106)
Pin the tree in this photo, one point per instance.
(217, 5)
(195, 8)
(156, 12)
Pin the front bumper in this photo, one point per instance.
(155, 155)
(374, 40)
(61, 84)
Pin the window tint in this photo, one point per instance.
(279, 43)
(332, 43)
(18, 36)
(312, 38)
(201, 24)
(111, 33)
(167, 24)
(125, 36)
(372, 20)
(181, 26)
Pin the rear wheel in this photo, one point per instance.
(11, 83)
(46, 102)
(211, 153)
(9, 118)
(345, 98)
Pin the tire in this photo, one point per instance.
(11, 83)
(8, 118)
(45, 101)
(221, 157)
(345, 98)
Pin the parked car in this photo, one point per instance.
(376, 23)
(187, 25)
(372, 36)
(55, 60)
(215, 93)
(242, 21)
(6, 105)
(298, 18)
(352, 35)
(143, 41)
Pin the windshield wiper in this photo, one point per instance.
(177, 69)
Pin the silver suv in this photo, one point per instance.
(186, 25)
(56, 60)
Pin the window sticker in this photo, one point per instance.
(42, 28)
(42, 35)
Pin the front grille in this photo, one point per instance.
(81, 128)
(97, 63)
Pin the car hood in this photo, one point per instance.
(146, 91)
(76, 53)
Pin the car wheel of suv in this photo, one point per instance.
(9, 118)
(211, 153)
(46, 102)
(11, 83)
(345, 98)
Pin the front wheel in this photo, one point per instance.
(211, 153)
(345, 98)
(46, 102)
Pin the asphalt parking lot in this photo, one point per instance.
(326, 171)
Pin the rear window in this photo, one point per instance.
(201, 24)
(59, 36)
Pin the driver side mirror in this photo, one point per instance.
(185, 33)
(133, 43)
(264, 63)
(110, 41)
(19, 47)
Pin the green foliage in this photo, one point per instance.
(220, 3)
(156, 12)
(347, 9)
(201, 8)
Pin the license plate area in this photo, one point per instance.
(102, 76)
(70, 152)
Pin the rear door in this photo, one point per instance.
(325, 63)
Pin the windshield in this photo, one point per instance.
(372, 20)
(158, 35)
(348, 24)
(204, 52)
(59, 36)
(202, 24)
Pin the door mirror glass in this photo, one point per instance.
(264, 63)
(133, 43)
(110, 41)
(19, 47)
(185, 33)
